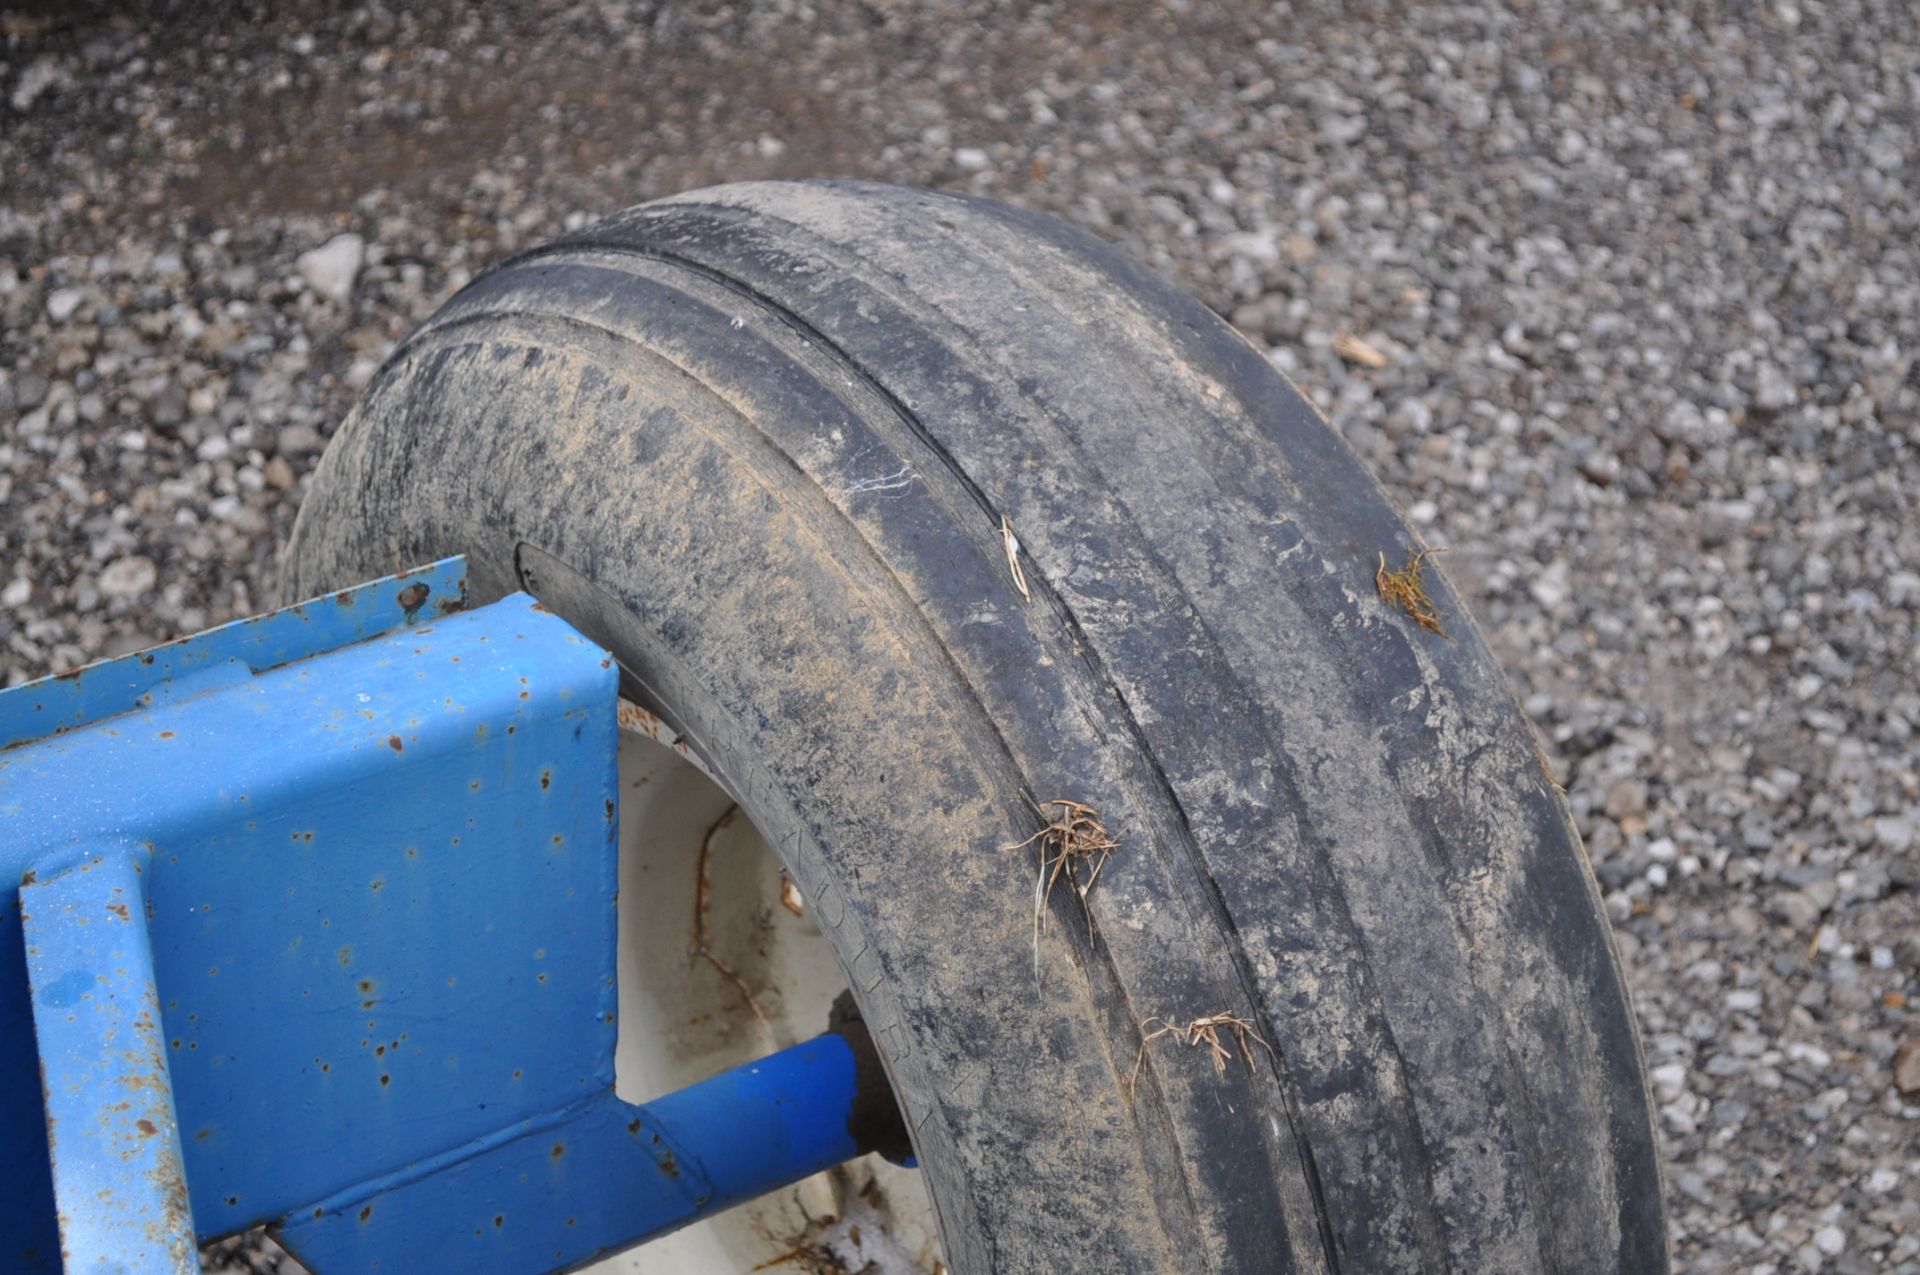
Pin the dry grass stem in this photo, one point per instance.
(1354, 350)
(1073, 835)
(1012, 546)
(1405, 589)
(1202, 1031)
(702, 891)
(1540, 755)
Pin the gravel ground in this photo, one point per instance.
(1637, 308)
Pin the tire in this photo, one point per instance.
(759, 440)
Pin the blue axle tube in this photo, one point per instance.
(308, 921)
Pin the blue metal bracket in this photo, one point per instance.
(118, 1176)
(229, 654)
(337, 886)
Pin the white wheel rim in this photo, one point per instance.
(684, 1017)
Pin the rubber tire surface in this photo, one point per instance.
(760, 439)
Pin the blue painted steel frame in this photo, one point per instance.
(372, 840)
(122, 1189)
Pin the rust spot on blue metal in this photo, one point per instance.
(393, 742)
(412, 598)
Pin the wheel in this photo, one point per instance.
(911, 514)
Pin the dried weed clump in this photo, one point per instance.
(1073, 835)
(812, 1259)
(1407, 590)
(1202, 1031)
